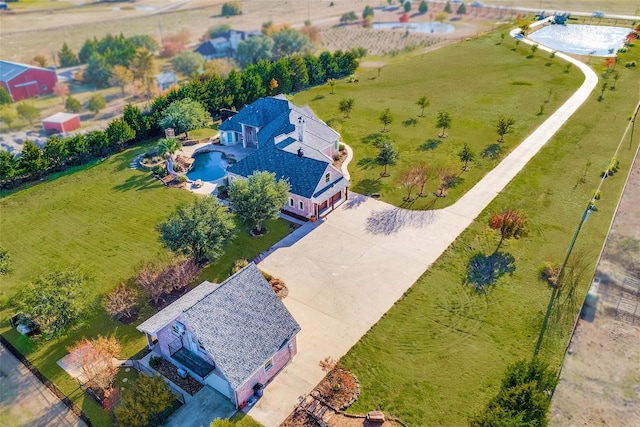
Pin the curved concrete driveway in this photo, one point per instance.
(345, 274)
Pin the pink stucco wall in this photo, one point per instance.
(280, 360)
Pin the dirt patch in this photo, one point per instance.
(600, 381)
(338, 389)
(170, 371)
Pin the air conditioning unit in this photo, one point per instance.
(178, 328)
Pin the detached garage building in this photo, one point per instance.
(24, 81)
(61, 123)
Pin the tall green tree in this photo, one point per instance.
(407, 6)
(387, 155)
(144, 403)
(72, 105)
(32, 159)
(231, 8)
(447, 7)
(5, 98)
(187, 63)
(144, 69)
(88, 48)
(346, 106)
(258, 198)
(503, 126)
(386, 119)
(422, 102)
(218, 31)
(198, 230)
(66, 57)
(118, 133)
(289, 41)
(423, 7)
(184, 115)
(462, 9)
(367, 12)
(98, 71)
(96, 103)
(9, 167)
(466, 155)
(56, 152)
(444, 122)
(252, 50)
(144, 41)
(54, 301)
(121, 76)
(28, 111)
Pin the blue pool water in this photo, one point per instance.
(592, 40)
(420, 27)
(207, 167)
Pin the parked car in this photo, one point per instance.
(598, 14)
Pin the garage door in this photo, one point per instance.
(219, 384)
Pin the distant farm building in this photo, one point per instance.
(61, 123)
(24, 81)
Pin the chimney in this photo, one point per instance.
(300, 129)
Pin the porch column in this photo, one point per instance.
(149, 341)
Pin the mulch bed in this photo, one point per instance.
(299, 418)
(279, 288)
(339, 388)
(127, 320)
(170, 371)
(167, 299)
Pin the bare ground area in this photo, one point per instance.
(600, 380)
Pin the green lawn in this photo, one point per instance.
(100, 219)
(476, 82)
(439, 354)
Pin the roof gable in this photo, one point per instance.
(10, 70)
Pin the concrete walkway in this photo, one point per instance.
(344, 275)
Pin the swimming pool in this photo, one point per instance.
(420, 27)
(592, 40)
(207, 167)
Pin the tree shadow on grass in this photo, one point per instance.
(374, 139)
(410, 122)
(484, 271)
(367, 163)
(430, 144)
(367, 186)
(137, 182)
(318, 98)
(492, 152)
(391, 220)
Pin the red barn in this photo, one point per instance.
(26, 81)
(61, 123)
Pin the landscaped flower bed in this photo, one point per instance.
(170, 371)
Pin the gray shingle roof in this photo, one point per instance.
(241, 324)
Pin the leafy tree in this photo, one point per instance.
(523, 398)
(95, 359)
(55, 152)
(98, 71)
(441, 16)
(72, 105)
(4, 261)
(144, 68)
(9, 168)
(218, 31)
(462, 9)
(187, 63)
(231, 8)
(168, 146)
(61, 90)
(367, 12)
(444, 122)
(97, 142)
(409, 181)
(386, 119)
(77, 149)
(199, 230)
(447, 7)
(289, 41)
(157, 282)
(534, 49)
(5, 98)
(133, 116)
(359, 52)
(423, 7)
(28, 111)
(387, 155)
(258, 198)
(53, 301)
(466, 156)
(88, 48)
(346, 106)
(66, 57)
(184, 115)
(423, 102)
(121, 301)
(407, 6)
(446, 178)
(96, 103)
(421, 173)
(332, 83)
(144, 41)
(119, 133)
(8, 116)
(298, 72)
(503, 126)
(510, 224)
(348, 17)
(40, 61)
(121, 76)
(253, 50)
(144, 403)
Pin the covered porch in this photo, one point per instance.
(330, 197)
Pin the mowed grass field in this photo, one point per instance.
(101, 220)
(439, 354)
(476, 82)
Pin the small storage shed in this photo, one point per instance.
(61, 123)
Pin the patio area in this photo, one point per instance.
(202, 409)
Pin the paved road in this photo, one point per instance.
(25, 401)
(345, 274)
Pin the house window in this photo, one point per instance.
(301, 205)
(44, 87)
(268, 365)
(291, 201)
(335, 145)
(327, 177)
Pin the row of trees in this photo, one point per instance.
(209, 90)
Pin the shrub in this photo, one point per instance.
(154, 361)
(182, 178)
(550, 273)
(630, 64)
(238, 265)
(231, 8)
(159, 171)
(336, 157)
(342, 147)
